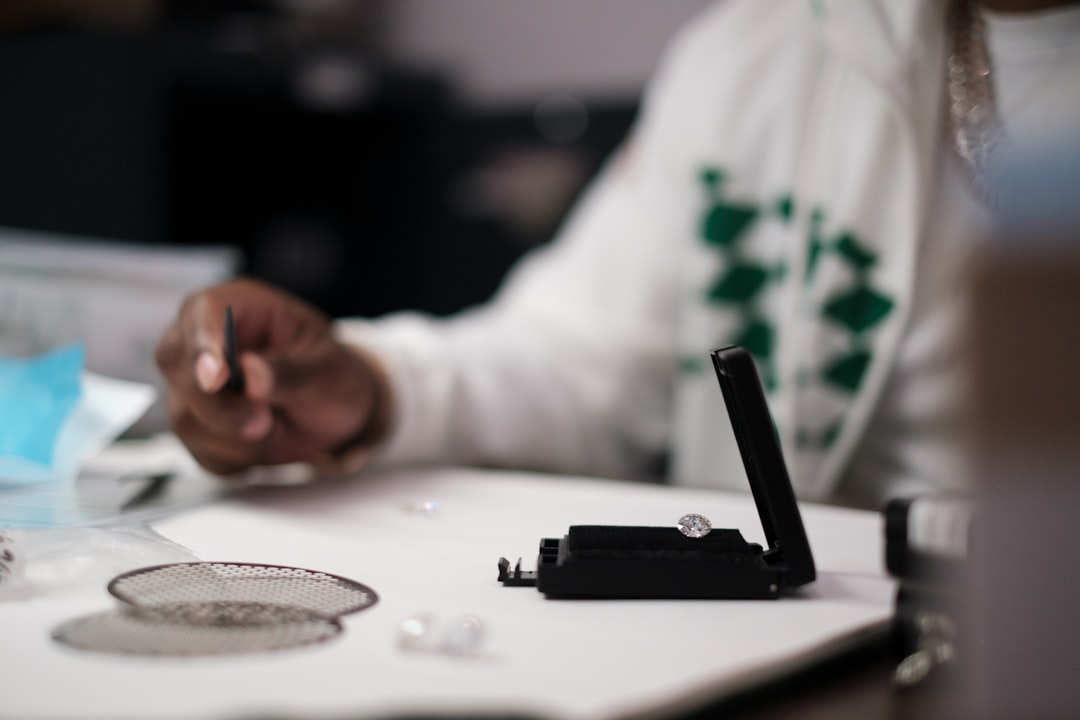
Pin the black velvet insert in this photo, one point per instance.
(612, 542)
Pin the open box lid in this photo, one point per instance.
(764, 463)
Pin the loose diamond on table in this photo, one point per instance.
(415, 632)
(694, 525)
(424, 508)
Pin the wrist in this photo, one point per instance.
(353, 453)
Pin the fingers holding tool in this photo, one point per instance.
(258, 425)
(217, 395)
(257, 377)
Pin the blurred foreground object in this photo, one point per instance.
(1025, 404)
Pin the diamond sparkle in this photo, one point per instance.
(693, 525)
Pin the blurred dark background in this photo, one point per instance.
(369, 155)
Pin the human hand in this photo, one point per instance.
(305, 395)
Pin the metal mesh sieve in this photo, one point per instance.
(216, 582)
(213, 608)
(197, 628)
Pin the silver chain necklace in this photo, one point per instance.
(972, 118)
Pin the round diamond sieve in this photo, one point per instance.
(214, 608)
(216, 582)
(197, 628)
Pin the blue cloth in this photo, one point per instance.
(36, 396)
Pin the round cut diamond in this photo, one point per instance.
(694, 525)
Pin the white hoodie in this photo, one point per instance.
(773, 194)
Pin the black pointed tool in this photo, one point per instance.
(235, 381)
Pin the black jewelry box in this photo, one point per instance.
(610, 561)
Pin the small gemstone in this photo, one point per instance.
(694, 525)
(414, 633)
(427, 508)
(464, 637)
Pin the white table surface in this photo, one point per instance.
(547, 658)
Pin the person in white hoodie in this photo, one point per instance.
(807, 179)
